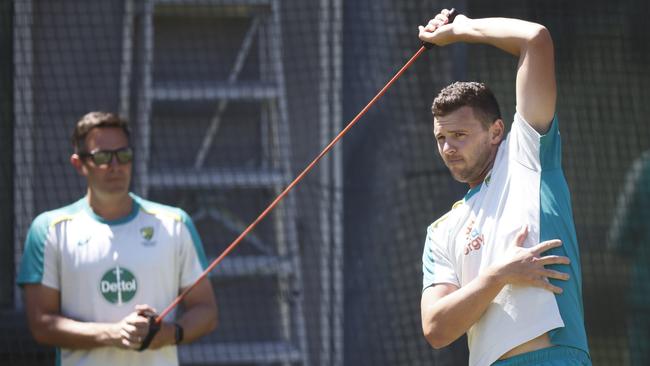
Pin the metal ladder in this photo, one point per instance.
(279, 260)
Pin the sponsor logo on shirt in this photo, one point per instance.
(118, 285)
(147, 234)
(474, 239)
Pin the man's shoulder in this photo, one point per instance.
(161, 210)
(520, 122)
(447, 217)
(58, 215)
(528, 147)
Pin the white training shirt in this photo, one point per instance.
(104, 268)
(476, 233)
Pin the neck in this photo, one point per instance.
(484, 172)
(474, 184)
(109, 207)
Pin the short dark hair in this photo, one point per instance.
(96, 120)
(473, 94)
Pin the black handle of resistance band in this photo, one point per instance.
(154, 328)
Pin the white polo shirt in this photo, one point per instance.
(102, 269)
(525, 186)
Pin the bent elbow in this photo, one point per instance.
(40, 336)
(540, 36)
(437, 342)
(435, 337)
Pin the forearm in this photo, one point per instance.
(57, 330)
(511, 35)
(447, 318)
(200, 315)
(198, 321)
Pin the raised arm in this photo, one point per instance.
(531, 42)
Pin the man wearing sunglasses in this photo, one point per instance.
(94, 272)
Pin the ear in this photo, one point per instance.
(78, 164)
(497, 130)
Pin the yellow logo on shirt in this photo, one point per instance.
(147, 232)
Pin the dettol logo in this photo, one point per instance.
(118, 285)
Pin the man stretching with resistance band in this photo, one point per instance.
(503, 265)
(89, 268)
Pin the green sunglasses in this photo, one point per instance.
(103, 157)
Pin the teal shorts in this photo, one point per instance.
(552, 356)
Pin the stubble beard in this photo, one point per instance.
(472, 173)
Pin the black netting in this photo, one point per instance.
(230, 99)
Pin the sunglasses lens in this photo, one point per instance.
(124, 156)
(102, 157)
